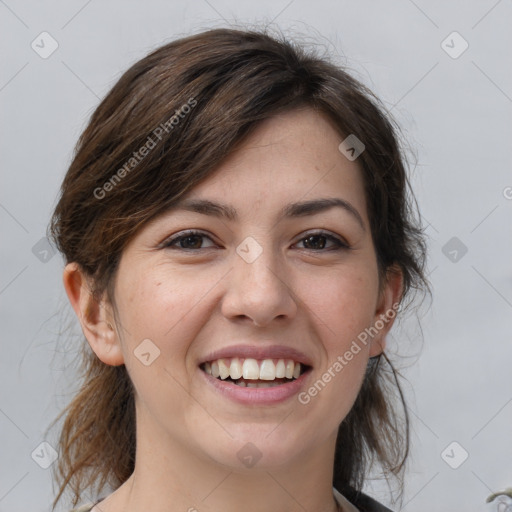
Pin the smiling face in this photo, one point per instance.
(265, 275)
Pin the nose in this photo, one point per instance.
(259, 290)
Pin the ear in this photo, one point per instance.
(387, 308)
(96, 317)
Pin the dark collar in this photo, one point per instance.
(363, 502)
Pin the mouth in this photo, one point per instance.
(255, 373)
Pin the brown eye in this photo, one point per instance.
(317, 242)
(189, 241)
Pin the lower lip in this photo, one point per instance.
(260, 396)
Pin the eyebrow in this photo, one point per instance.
(292, 210)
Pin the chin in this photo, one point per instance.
(257, 447)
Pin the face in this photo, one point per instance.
(259, 284)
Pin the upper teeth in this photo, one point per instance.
(253, 369)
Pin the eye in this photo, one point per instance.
(316, 241)
(190, 240)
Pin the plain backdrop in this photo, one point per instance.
(441, 68)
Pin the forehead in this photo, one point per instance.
(290, 158)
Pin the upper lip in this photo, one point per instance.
(259, 352)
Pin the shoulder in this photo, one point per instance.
(363, 502)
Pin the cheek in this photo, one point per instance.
(343, 305)
(150, 302)
(344, 301)
(162, 304)
(154, 305)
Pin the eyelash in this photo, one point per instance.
(169, 243)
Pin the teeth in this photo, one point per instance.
(235, 370)
(268, 370)
(289, 369)
(223, 369)
(262, 384)
(252, 369)
(280, 369)
(215, 369)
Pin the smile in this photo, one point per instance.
(254, 373)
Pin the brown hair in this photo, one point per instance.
(230, 80)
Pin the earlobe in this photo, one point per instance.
(95, 316)
(386, 309)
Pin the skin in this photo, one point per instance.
(190, 303)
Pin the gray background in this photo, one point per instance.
(455, 113)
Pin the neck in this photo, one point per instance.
(169, 477)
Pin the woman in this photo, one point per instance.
(238, 240)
